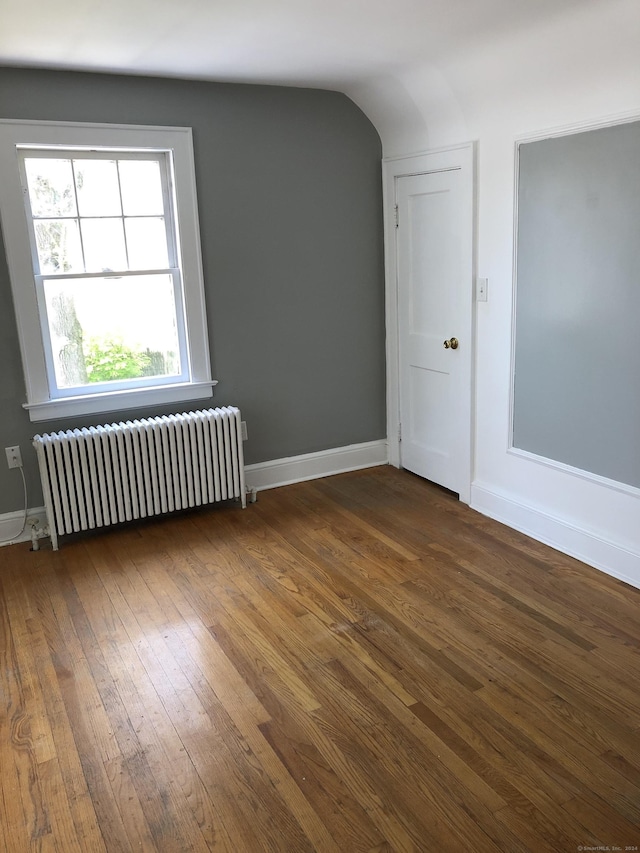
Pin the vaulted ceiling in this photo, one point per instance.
(322, 43)
(424, 71)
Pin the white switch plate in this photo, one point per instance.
(482, 289)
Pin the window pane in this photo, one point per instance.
(50, 185)
(58, 243)
(147, 243)
(103, 242)
(97, 187)
(94, 338)
(141, 186)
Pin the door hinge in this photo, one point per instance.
(395, 208)
(399, 432)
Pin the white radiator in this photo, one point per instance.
(97, 476)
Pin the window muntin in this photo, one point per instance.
(99, 207)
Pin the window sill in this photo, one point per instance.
(117, 400)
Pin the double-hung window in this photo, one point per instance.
(101, 234)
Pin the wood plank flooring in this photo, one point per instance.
(359, 663)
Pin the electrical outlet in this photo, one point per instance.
(243, 429)
(14, 457)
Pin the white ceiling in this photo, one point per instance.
(323, 43)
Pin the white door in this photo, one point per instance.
(434, 326)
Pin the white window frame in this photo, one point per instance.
(43, 402)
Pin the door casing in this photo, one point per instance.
(459, 157)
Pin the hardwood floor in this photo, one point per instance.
(354, 664)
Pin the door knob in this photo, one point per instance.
(452, 343)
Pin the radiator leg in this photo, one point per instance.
(35, 545)
(253, 496)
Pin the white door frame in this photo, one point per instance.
(459, 157)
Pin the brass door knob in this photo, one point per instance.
(452, 343)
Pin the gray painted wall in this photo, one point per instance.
(577, 365)
(290, 203)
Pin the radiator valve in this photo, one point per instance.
(37, 533)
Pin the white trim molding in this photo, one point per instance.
(610, 557)
(606, 482)
(311, 466)
(262, 475)
(593, 123)
(459, 157)
(120, 400)
(44, 399)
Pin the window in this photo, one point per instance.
(101, 234)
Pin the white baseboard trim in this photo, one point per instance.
(607, 556)
(263, 475)
(11, 522)
(310, 466)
